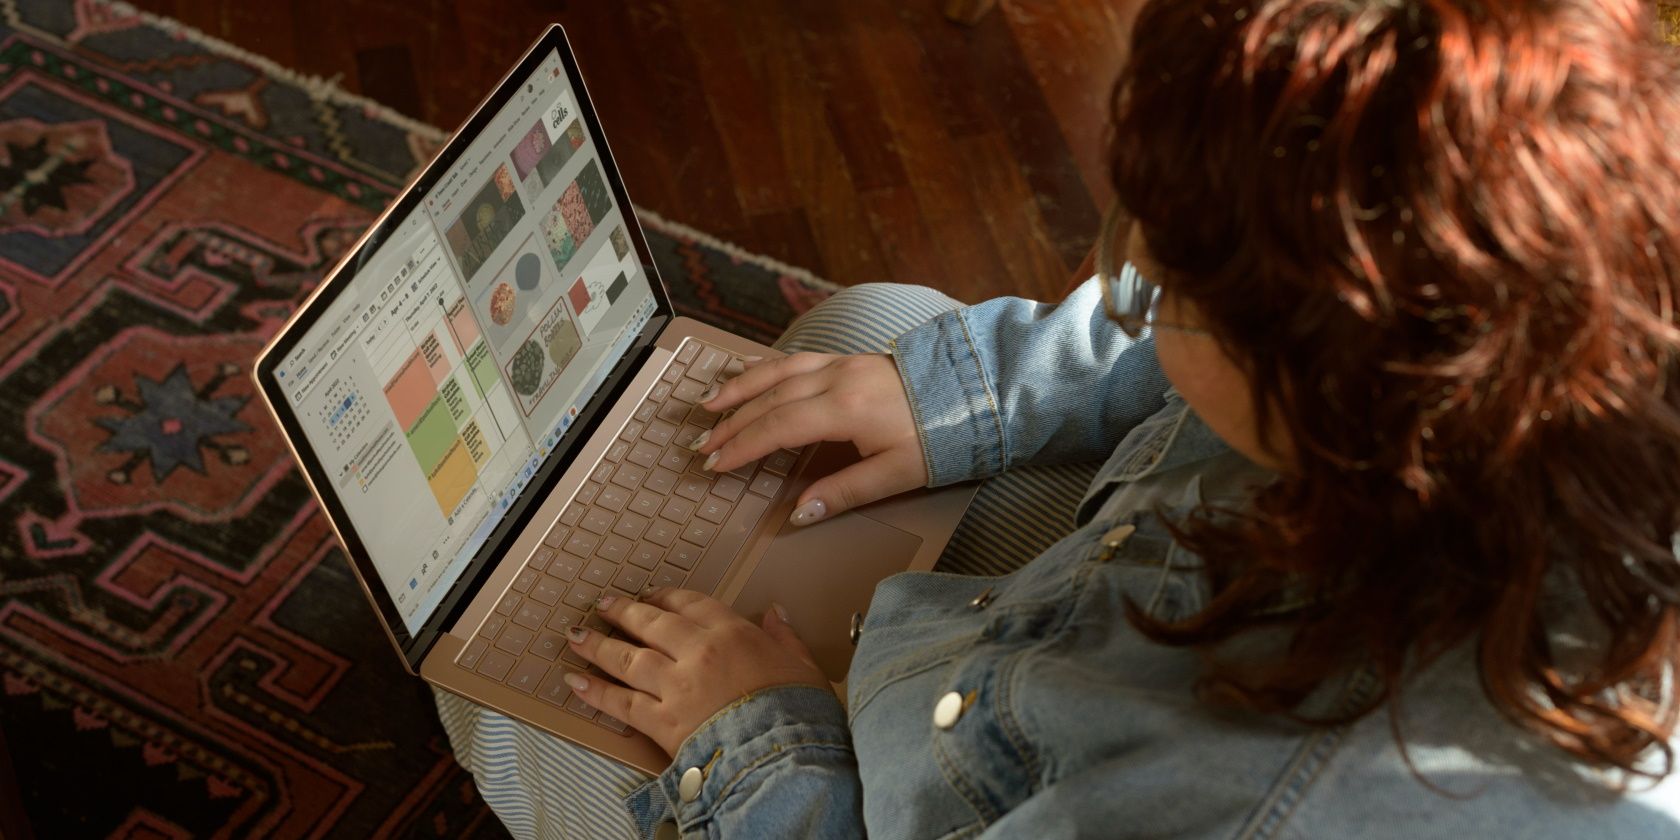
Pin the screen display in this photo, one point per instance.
(449, 365)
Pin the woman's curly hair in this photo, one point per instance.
(1443, 239)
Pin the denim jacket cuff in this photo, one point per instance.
(736, 748)
(953, 403)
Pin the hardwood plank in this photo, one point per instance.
(911, 257)
(1025, 244)
(855, 116)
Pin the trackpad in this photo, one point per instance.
(822, 574)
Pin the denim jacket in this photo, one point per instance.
(1040, 712)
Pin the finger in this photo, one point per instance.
(876, 477)
(660, 629)
(631, 706)
(776, 624)
(793, 389)
(759, 377)
(704, 610)
(785, 427)
(636, 666)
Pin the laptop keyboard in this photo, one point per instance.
(647, 516)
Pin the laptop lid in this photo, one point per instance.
(433, 386)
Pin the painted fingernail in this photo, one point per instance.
(711, 394)
(749, 361)
(578, 682)
(711, 460)
(781, 612)
(605, 602)
(648, 592)
(812, 511)
(700, 441)
(577, 633)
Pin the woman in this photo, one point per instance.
(1394, 555)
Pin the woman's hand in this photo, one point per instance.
(687, 657)
(789, 402)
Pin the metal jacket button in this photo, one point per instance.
(981, 600)
(856, 630)
(948, 710)
(1118, 535)
(689, 786)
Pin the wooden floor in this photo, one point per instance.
(863, 139)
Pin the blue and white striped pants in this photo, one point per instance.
(544, 787)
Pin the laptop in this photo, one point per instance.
(492, 397)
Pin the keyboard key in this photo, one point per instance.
(492, 626)
(687, 435)
(595, 622)
(542, 556)
(556, 536)
(582, 544)
(630, 526)
(729, 487)
(662, 481)
(766, 484)
(712, 509)
(514, 639)
(677, 509)
(688, 390)
(685, 353)
(672, 373)
(646, 555)
(632, 430)
(676, 460)
(706, 366)
(549, 645)
(644, 454)
(510, 602)
(576, 706)
(669, 576)
(703, 418)
(629, 476)
(683, 555)
(570, 657)
(573, 513)
(691, 487)
(553, 688)
(662, 532)
(586, 494)
(581, 596)
(522, 581)
(780, 463)
(646, 411)
(673, 412)
(617, 451)
(530, 614)
(563, 619)
(612, 723)
(630, 579)
(616, 548)
(734, 367)
(599, 572)
(614, 498)
(602, 474)
(473, 652)
(699, 531)
(565, 566)
(548, 591)
(732, 536)
(527, 675)
(661, 393)
(745, 471)
(597, 520)
(495, 664)
(659, 433)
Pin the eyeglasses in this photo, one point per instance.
(1129, 299)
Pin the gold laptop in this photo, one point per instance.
(492, 398)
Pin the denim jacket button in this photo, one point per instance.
(1117, 537)
(855, 632)
(688, 787)
(948, 710)
(981, 600)
(667, 831)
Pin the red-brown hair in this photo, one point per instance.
(1443, 238)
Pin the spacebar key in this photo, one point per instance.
(727, 546)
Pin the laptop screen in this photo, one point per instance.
(447, 368)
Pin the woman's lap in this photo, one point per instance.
(542, 786)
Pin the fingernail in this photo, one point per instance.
(700, 441)
(711, 460)
(605, 602)
(781, 612)
(749, 361)
(648, 592)
(578, 682)
(577, 632)
(711, 394)
(809, 512)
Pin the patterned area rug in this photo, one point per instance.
(182, 649)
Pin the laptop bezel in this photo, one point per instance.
(414, 646)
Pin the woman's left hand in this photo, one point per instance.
(688, 656)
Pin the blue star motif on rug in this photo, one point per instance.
(172, 422)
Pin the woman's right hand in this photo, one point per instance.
(801, 399)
